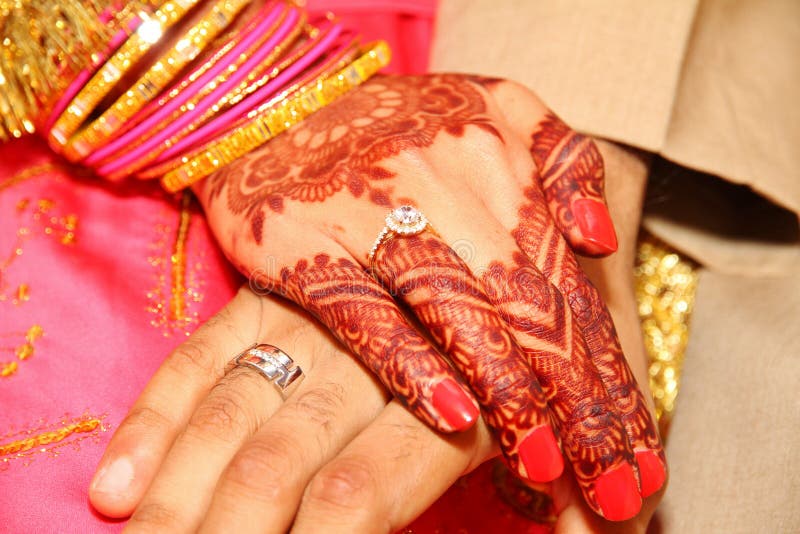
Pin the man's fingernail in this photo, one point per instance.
(595, 225)
(618, 494)
(541, 455)
(454, 405)
(115, 478)
(651, 472)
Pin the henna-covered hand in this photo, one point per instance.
(504, 302)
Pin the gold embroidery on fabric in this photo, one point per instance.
(665, 291)
(31, 172)
(178, 282)
(49, 438)
(177, 303)
(41, 220)
(36, 219)
(22, 352)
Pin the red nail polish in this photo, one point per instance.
(651, 472)
(541, 456)
(595, 225)
(454, 405)
(618, 494)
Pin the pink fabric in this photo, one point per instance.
(90, 263)
(100, 344)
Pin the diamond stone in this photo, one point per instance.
(406, 220)
(406, 214)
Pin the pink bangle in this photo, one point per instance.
(157, 114)
(144, 153)
(83, 76)
(331, 64)
(344, 51)
(224, 120)
(319, 31)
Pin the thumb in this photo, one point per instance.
(572, 179)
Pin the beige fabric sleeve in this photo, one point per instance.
(709, 84)
(736, 114)
(608, 68)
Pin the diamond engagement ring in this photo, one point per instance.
(273, 364)
(402, 221)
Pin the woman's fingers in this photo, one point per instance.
(365, 318)
(389, 474)
(261, 488)
(546, 248)
(142, 440)
(551, 253)
(592, 435)
(451, 304)
(562, 155)
(572, 179)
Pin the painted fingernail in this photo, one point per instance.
(651, 472)
(115, 478)
(541, 455)
(454, 405)
(595, 225)
(618, 494)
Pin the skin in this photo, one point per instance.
(550, 341)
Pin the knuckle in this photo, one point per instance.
(268, 466)
(223, 417)
(590, 416)
(347, 483)
(581, 297)
(320, 405)
(146, 418)
(154, 517)
(194, 356)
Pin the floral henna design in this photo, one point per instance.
(592, 435)
(363, 317)
(453, 307)
(342, 147)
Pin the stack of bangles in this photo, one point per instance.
(228, 76)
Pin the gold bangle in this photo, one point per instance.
(151, 83)
(137, 45)
(43, 46)
(271, 119)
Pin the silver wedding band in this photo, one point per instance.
(273, 364)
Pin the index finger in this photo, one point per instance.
(144, 437)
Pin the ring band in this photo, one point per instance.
(273, 364)
(403, 221)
